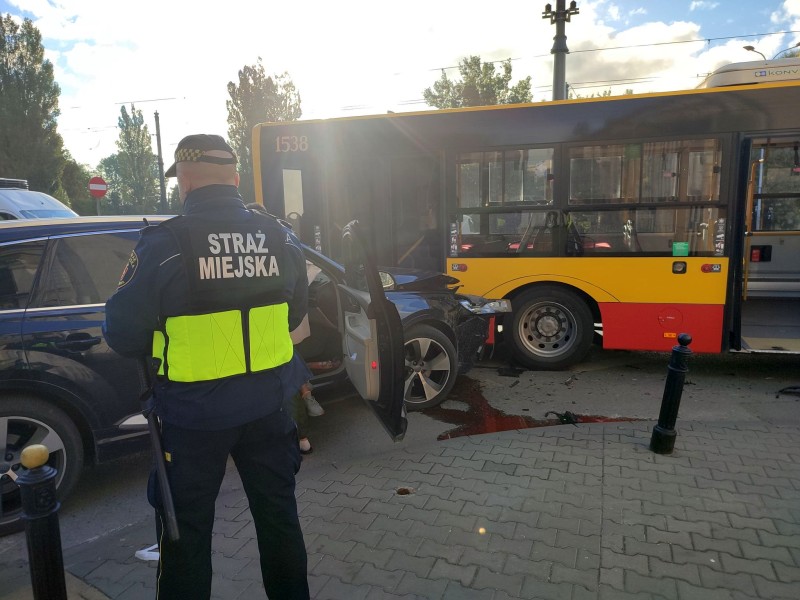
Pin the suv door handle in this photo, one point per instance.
(78, 342)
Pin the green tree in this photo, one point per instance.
(131, 173)
(174, 204)
(112, 203)
(604, 94)
(75, 184)
(792, 52)
(257, 98)
(30, 146)
(480, 85)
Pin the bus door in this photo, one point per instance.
(397, 199)
(769, 304)
(416, 212)
(291, 184)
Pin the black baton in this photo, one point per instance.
(148, 368)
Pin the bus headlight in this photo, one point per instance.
(482, 306)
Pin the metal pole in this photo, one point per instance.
(560, 17)
(664, 434)
(163, 201)
(559, 52)
(40, 510)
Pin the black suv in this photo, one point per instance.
(62, 386)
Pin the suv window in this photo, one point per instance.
(84, 269)
(18, 264)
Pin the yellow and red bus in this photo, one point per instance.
(623, 221)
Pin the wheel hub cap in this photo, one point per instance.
(548, 325)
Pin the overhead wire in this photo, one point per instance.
(578, 85)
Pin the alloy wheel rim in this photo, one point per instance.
(16, 434)
(427, 369)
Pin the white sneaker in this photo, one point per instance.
(149, 553)
(313, 407)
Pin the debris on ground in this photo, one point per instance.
(792, 389)
(567, 417)
(509, 371)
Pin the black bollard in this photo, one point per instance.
(40, 511)
(663, 439)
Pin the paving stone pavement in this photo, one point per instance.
(566, 512)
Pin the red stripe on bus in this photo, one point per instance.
(631, 326)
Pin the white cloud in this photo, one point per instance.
(176, 57)
(701, 5)
(788, 15)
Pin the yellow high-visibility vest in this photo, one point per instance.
(223, 344)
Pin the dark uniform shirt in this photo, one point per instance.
(156, 285)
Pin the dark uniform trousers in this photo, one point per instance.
(267, 458)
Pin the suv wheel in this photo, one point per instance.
(25, 421)
(431, 367)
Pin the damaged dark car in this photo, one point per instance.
(444, 330)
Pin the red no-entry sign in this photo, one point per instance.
(98, 187)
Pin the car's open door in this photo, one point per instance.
(373, 335)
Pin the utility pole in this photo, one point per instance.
(560, 16)
(163, 202)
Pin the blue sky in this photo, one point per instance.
(716, 18)
(362, 56)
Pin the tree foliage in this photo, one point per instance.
(572, 95)
(257, 98)
(30, 146)
(75, 185)
(131, 173)
(480, 85)
(792, 52)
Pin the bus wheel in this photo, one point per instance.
(552, 328)
(431, 367)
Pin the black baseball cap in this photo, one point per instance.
(202, 147)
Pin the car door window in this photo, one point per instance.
(18, 265)
(84, 269)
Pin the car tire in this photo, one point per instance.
(431, 367)
(24, 421)
(552, 328)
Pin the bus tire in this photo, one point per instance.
(552, 328)
(26, 420)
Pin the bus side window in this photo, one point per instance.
(776, 204)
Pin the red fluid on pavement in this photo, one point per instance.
(480, 417)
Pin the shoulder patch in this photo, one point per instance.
(130, 270)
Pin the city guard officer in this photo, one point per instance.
(213, 294)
